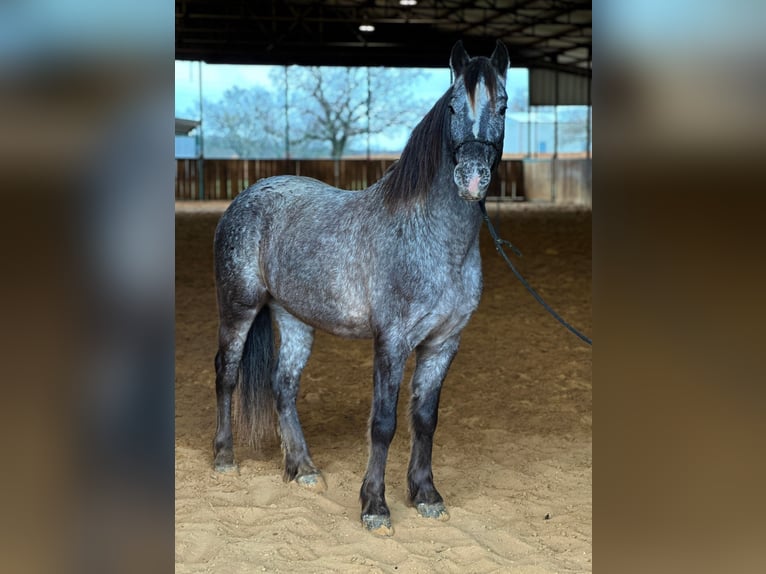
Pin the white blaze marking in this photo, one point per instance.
(480, 100)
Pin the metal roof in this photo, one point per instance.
(184, 126)
(552, 34)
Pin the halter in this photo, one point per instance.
(498, 148)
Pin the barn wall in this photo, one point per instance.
(561, 181)
(574, 181)
(556, 181)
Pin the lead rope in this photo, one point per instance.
(499, 246)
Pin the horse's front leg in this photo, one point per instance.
(387, 378)
(431, 367)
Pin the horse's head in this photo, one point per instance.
(477, 123)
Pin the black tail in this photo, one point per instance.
(255, 418)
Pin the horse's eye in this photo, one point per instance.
(502, 110)
(452, 109)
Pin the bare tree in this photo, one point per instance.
(244, 121)
(337, 106)
(330, 111)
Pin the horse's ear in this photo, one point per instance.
(500, 59)
(458, 59)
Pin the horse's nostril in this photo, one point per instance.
(472, 178)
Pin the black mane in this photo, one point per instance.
(408, 180)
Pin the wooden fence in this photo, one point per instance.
(225, 178)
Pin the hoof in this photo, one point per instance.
(226, 467)
(314, 482)
(436, 510)
(378, 524)
(224, 462)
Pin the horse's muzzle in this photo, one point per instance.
(472, 180)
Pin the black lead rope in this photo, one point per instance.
(499, 246)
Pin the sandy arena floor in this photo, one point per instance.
(512, 453)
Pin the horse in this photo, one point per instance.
(397, 262)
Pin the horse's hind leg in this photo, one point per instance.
(296, 339)
(431, 367)
(232, 333)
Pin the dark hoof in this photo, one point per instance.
(224, 462)
(378, 524)
(314, 481)
(435, 510)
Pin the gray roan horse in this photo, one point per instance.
(397, 263)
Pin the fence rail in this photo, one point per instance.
(225, 178)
